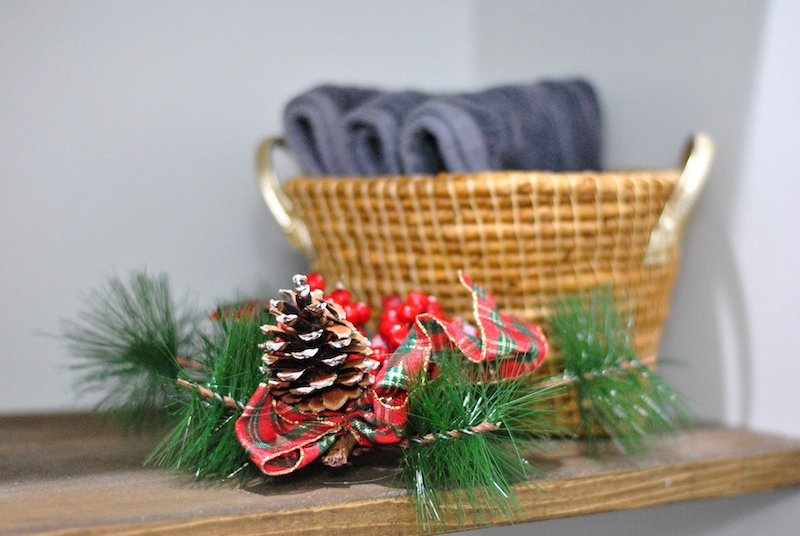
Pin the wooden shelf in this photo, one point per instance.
(69, 474)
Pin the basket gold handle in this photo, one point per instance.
(277, 201)
(667, 232)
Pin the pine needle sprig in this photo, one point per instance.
(449, 471)
(203, 442)
(616, 392)
(127, 343)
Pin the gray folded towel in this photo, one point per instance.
(547, 126)
(578, 123)
(550, 125)
(372, 131)
(314, 130)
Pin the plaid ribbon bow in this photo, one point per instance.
(280, 439)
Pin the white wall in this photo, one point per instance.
(765, 229)
(127, 137)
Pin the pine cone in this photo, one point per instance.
(317, 359)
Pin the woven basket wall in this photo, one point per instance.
(526, 237)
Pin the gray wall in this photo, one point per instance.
(127, 134)
(664, 70)
(127, 137)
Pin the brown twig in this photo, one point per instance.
(566, 380)
(205, 392)
(186, 362)
(481, 428)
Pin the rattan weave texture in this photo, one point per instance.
(526, 237)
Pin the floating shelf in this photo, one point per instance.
(70, 474)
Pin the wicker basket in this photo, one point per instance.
(524, 236)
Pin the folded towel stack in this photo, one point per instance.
(553, 126)
(314, 128)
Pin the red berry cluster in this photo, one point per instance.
(356, 312)
(398, 317)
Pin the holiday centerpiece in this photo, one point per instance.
(534, 287)
(281, 387)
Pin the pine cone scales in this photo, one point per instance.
(317, 359)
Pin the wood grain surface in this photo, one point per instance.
(71, 474)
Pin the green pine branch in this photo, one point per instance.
(449, 477)
(133, 342)
(616, 392)
(203, 442)
(127, 342)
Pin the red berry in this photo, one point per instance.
(380, 354)
(418, 299)
(341, 296)
(392, 302)
(349, 312)
(316, 281)
(361, 313)
(390, 316)
(389, 319)
(385, 329)
(378, 343)
(408, 312)
(397, 334)
(435, 308)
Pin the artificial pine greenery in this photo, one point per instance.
(133, 342)
(618, 395)
(616, 392)
(203, 441)
(469, 431)
(128, 341)
(446, 476)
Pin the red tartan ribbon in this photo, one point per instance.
(279, 439)
(517, 347)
